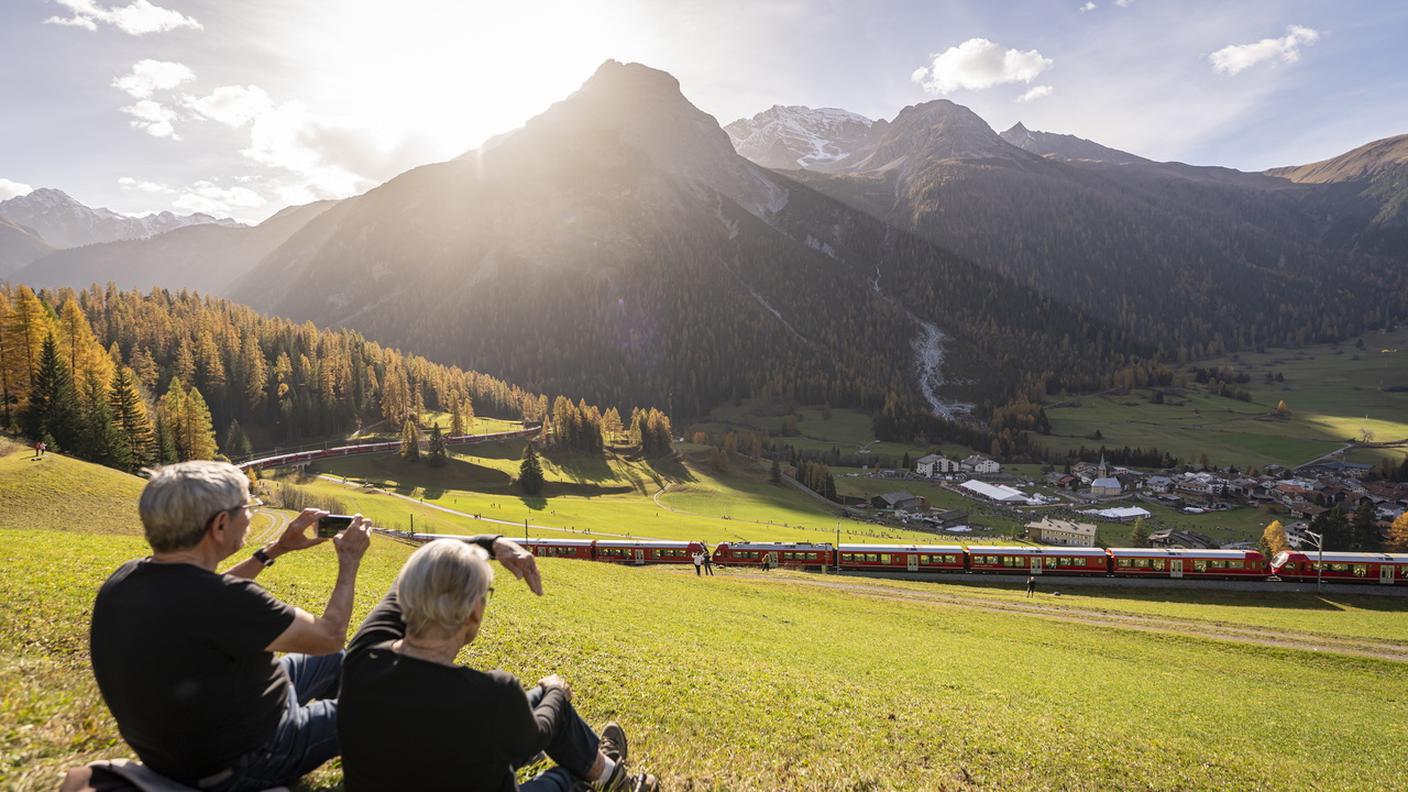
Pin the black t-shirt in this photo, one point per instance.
(406, 723)
(179, 653)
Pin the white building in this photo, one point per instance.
(980, 464)
(1121, 514)
(935, 465)
(993, 492)
(1106, 486)
(1062, 532)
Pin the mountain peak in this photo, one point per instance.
(794, 136)
(1066, 147)
(614, 75)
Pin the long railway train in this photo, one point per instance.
(1126, 562)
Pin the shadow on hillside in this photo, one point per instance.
(671, 468)
(580, 466)
(1270, 599)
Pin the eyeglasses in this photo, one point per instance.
(251, 506)
(488, 594)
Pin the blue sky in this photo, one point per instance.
(242, 108)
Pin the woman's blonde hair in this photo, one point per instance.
(440, 585)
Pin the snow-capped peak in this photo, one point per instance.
(793, 136)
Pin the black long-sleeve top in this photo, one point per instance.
(407, 723)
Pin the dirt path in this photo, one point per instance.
(1220, 631)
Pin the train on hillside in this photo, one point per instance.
(1123, 562)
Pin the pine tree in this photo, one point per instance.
(102, 441)
(530, 472)
(129, 411)
(197, 430)
(1398, 534)
(456, 419)
(166, 450)
(52, 408)
(410, 442)
(237, 445)
(775, 475)
(1364, 534)
(1139, 535)
(27, 323)
(437, 455)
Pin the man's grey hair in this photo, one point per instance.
(179, 500)
(440, 585)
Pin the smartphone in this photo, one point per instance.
(333, 524)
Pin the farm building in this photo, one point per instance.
(1061, 532)
(899, 501)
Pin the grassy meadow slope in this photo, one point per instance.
(1334, 393)
(752, 682)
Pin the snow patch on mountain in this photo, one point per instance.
(65, 223)
(798, 137)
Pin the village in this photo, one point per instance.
(1061, 507)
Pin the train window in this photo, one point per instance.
(1124, 563)
(1141, 563)
(1339, 567)
(953, 559)
(1219, 564)
(1157, 563)
(884, 558)
(1360, 570)
(1290, 566)
(872, 557)
(1200, 565)
(1237, 564)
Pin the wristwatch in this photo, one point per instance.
(263, 557)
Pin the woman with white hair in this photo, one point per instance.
(409, 717)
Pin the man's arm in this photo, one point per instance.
(328, 633)
(294, 537)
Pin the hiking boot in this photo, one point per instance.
(622, 780)
(613, 742)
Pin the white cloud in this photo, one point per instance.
(977, 64)
(129, 183)
(137, 18)
(1037, 92)
(207, 197)
(291, 137)
(1124, 3)
(13, 189)
(232, 105)
(1087, 7)
(1237, 57)
(149, 76)
(153, 118)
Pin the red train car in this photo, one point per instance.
(901, 558)
(1022, 560)
(558, 548)
(778, 554)
(1179, 563)
(1388, 569)
(645, 551)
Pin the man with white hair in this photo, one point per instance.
(411, 718)
(184, 656)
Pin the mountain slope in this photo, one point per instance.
(1364, 191)
(64, 222)
(1185, 259)
(798, 137)
(618, 248)
(206, 258)
(19, 246)
(1066, 147)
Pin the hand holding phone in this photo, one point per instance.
(330, 525)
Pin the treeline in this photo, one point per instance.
(1008, 441)
(128, 379)
(1125, 457)
(817, 478)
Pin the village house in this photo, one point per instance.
(1061, 532)
(932, 465)
(1062, 480)
(900, 501)
(977, 463)
(1158, 485)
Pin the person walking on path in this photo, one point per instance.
(698, 563)
(1031, 586)
(39, 449)
(708, 562)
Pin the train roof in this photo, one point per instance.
(1030, 551)
(642, 543)
(888, 548)
(1176, 552)
(776, 545)
(543, 540)
(1339, 558)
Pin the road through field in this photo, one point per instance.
(1260, 636)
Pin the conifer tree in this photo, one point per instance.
(197, 430)
(456, 419)
(1139, 535)
(52, 408)
(129, 412)
(27, 323)
(166, 451)
(775, 475)
(1364, 533)
(237, 445)
(410, 443)
(530, 472)
(102, 440)
(436, 455)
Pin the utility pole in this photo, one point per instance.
(1319, 565)
(525, 528)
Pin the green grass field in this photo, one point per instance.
(610, 495)
(1334, 393)
(751, 682)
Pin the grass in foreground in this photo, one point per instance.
(735, 683)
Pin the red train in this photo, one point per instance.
(1381, 568)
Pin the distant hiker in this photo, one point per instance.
(708, 562)
(767, 563)
(39, 449)
(698, 563)
(1031, 585)
(402, 716)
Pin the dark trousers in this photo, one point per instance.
(697, 568)
(574, 747)
(307, 732)
(708, 568)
